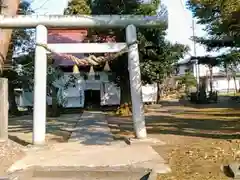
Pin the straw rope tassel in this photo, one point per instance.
(75, 69)
(106, 67)
(91, 72)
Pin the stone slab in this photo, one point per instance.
(77, 155)
(235, 169)
(87, 173)
(92, 129)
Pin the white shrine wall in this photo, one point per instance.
(74, 96)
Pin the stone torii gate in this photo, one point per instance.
(41, 23)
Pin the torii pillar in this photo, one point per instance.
(40, 87)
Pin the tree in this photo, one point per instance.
(22, 76)
(21, 40)
(230, 61)
(221, 19)
(210, 62)
(77, 7)
(9, 8)
(158, 69)
(188, 80)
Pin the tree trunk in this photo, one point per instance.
(238, 86)
(228, 81)
(12, 101)
(55, 110)
(159, 92)
(125, 107)
(235, 83)
(9, 8)
(13, 109)
(211, 79)
(228, 77)
(125, 92)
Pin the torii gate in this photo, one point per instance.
(41, 23)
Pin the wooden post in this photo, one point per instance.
(3, 109)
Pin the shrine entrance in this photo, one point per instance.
(92, 98)
(42, 23)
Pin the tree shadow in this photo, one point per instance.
(88, 129)
(206, 128)
(196, 127)
(18, 140)
(60, 127)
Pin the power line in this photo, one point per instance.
(193, 34)
(45, 2)
(197, 68)
(182, 4)
(32, 1)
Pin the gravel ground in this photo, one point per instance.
(9, 153)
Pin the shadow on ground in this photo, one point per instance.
(68, 127)
(18, 140)
(57, 129)
(220, 121)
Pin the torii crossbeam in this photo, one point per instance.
(41, 23)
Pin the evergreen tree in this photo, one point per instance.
(21, 40)
(221, 19)
(78, 7)
(8, 8)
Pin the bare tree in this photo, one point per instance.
(8, 8)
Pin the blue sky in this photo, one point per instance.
(180, 19)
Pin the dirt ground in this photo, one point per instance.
(9, 153)
(20, 135)
(200, 140)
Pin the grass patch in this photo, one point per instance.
(229, 94)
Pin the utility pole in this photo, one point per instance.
(196, 65)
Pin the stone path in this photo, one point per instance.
(91, 145)
(92, 129)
